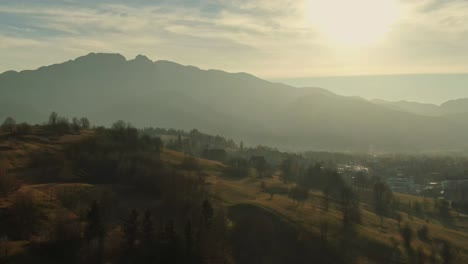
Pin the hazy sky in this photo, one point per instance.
(268, 38)
(424, 88)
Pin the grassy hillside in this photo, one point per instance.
(51, 186)
(371, 243)
(260, 226)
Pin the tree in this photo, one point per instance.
(399, 218)
(332, 185)
(148, 229)
(9, 124)
(148, 238)
(62, 125)
(53, 119)
(24, 216)
(207, 212)
(291, 170)
(23, 129)
(314, 176)
(94, 231)
(286, 169)
(423, 233)
(239, 167)
(8, 183)
(299, 194)
(120, 125)
(407, 235)
(260, 164)
(94, 227)
(170, 243)
(130, 232)
(447, 253)
(84, 123)
(443, 207)
(125, 133)
(382, 199)
(76, 124)
(349, 206)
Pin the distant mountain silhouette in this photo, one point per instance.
(457, 106)
(449, 108)
(107, 87)
(411, 107)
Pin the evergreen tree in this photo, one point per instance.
(207, 212)
(148, 229)
(94, 228)
(150, 251)
(130, 233)
(130, 230)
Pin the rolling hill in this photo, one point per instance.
(263, 228)
(107, 87)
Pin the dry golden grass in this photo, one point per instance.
(176, 158)
(14, 154)
(310, 215)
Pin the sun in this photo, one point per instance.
(353, 22)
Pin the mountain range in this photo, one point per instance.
(451, 107)
(108, 87)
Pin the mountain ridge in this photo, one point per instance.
(107, 87)
(451, 107)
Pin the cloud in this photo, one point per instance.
(270, 38)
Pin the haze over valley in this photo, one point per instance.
(234, 132)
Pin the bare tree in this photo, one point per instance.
(84, 122)
(9, 124)
(53, 118)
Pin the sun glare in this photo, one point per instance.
(353, 22)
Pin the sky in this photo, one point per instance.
(422, 88)
(274, 39)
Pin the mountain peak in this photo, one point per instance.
(140, 57)
(141, 60)
(101, 57)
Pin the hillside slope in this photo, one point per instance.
(262, 228)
